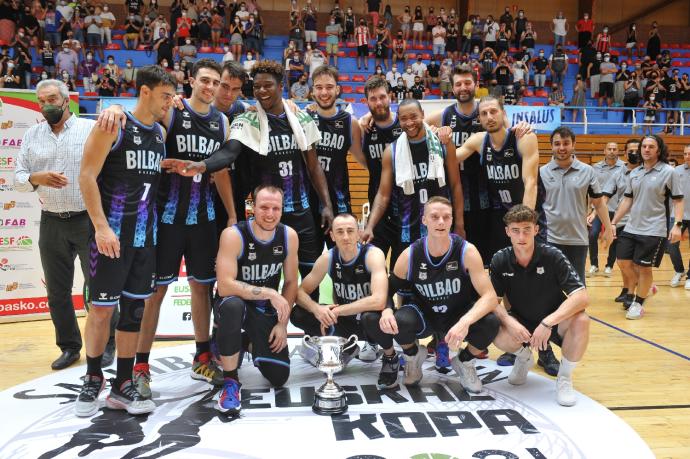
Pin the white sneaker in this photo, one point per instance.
(413, 366)
(565, 394)
(675, 280)
(635, 311)
(524, 361)
(608, 271)
(687, 284)
(593, 270)
(467, 373)
(369, 352)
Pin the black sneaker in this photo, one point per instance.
(506, 360)
(549, 362)
(126, 397)
(87, 402)
(388, 377)
(628, 301)
(621, 298)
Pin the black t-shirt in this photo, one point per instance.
(417, 91)
(540, 64)
(549, 273)
(374, 5)
(673, 87)
(503, 75)
(433, 70)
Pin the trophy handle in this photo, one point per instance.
(353, 342)
(307, 341)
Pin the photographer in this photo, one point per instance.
(107, 85)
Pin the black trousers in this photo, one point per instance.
(60, 241)
(346, 325)
(577, 256)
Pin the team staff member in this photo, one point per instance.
(643, 240)
(253, 256)
(556, 313)
(613, 192)
(360, 283)
(119, 179)
(604, 170)
(565, 183)
(451, 295)
(415, 167)
(48, 163)
(683, 173)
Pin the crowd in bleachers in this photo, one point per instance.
(414, 50)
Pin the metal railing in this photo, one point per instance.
(634, 124)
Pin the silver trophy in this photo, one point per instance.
(330, 398)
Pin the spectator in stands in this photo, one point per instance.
(187, 51)
(183, 25)
(10, 77)
(654, 42)
(495, 90)
(579, 97)
(161, 28)
(113, 69)
(419, 67)
(67, 60)
(146, 34)
(93, 24)
(228, 56)
(430, 22)
(622, 75)
(521, 23)
(288, 52)
(603, 42)
(594, 76)
(452, 37)
(77, 25)
(316, 60)
(310, 28)
(520, 71)
(418, 89)
(586, 56)
(133, 25)
(558, 64)
(362, 35)
(685, 99)
(490, 33)
(652, 108)
(439, 34)
(503, 40)
(655, 87)
(151, 11)
(664, 61)
(333, 33)
(129, 76)
(30, 25)
(400, 91)
(503, 73)
(299, 90)
(249, 64)
(295, 68)
(405, 21)
(204, 23)
(466, 39)
(488, 62)
(296, 30)
(481, 90)
(67, 79)
(381, 51)
(164, 48)
(22, 61)
(217, 26)
(180, 77)
(253, 34)
(186, 69)
(107, 86)
(528, 39)
(540, 65)
(52, 23)
(556, 97)
(507, 19)
(477, 37)
(87, 68)
(338, 14)
(445, 73)
(399, 49)
(134, 6)
(392, 77)
(236, 37)
(350, 21)
(192, 12)
(432, 76)
(509, 96)
(47, 58)
(194, 31)
(107, 23)
(408, 77)
(378, 73)
(417, 27)
(585, 29)
(631, 41)
(39, 12)
(631, 97)
(559, 27)
(373, 10)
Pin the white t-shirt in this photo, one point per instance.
(96, 26)
(249, 65)
(439, 40)
(408, 78)
(392, 78)
(559, 26)
(109, 16)
(315, 63)
(418, 68)
(491, 31)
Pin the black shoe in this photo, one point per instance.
(621, 298)
(66, 359)
(109, 353)
(628, 301)
(388, 377)
(549, 362)
(506, 360)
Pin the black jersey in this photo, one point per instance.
(336, 139)
(442, 289)
(373, 144)
(351, 280)
(261, 262)
(474, 190)
(283, 166)
(129, 180)
(411, 206)
(502, 170)
(195, 137)
(238, 169)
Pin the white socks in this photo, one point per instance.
(566, 368)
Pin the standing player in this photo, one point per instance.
(683, 173)
(547, 302)
(119, 181)
(415, 167)
(253, 256)
(360, 283)
(642, 242)
(451, 295)
(508, 164)
(340, 133)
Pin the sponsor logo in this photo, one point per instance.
(278, 250)
(187, 124)
(452, 266)
(12, 223)
(422, 275)
(540, 270)
(508, 274)
(10, 142)
(16, 243)
(186, 316)
(137, 140)
(6, 124)
(6, 266)
(359, 269)
(16, 285)
(213, 125)
(185, 114)
(9, 205)
(339, 125)
(5, 185)
(251, 256)
(159, 138)
(508, 153)
(6, 162)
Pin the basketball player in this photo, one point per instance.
(423, 149)
(547, 301)
(253, 256)
(340, 134)
(283, 165)
(119, 180)
(451, 294)
(360, 283)
(643, 239)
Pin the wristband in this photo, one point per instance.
(545, 325)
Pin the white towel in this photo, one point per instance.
(300, 136)
(404, 173)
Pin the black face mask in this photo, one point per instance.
(634, 158)
(52, 113)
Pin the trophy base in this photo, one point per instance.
(329, 406)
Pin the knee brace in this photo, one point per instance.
(229, 318)
(131, 312)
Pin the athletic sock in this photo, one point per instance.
(232, 374)
(465, 355)
(639, 299)
(412, 351)
(143, 357)
(201, 347)
(566, 368)
(125, 365)
(93, 366)
(624, 291)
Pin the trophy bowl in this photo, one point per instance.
(329, 398)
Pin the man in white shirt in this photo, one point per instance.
(490, 31)
(439, 41)
(419, 67)
(408, 77)
(392, 76)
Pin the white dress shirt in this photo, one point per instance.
(42, 150)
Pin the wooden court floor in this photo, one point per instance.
(638, 369)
